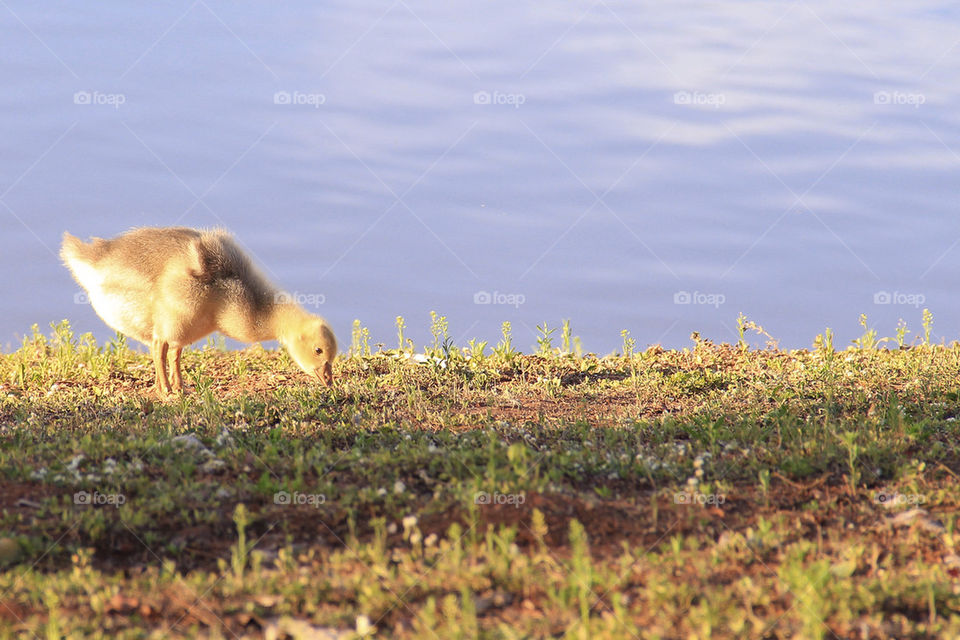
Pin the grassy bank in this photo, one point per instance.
(715, 491)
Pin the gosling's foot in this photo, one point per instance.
(163, 393)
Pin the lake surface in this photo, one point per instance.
(658, 167)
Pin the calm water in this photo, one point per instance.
(658, 167)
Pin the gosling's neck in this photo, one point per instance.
(285, 321)
(260, 323)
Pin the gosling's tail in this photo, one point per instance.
(71, 250)
(74, 250)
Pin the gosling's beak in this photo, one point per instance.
(326, 374)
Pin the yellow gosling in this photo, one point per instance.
(169, 287)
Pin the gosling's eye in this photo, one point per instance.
(318, 351)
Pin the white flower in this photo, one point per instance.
(364, 628)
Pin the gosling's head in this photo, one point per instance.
(312, 346)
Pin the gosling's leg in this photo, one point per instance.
(159, 350)
(177, 381)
